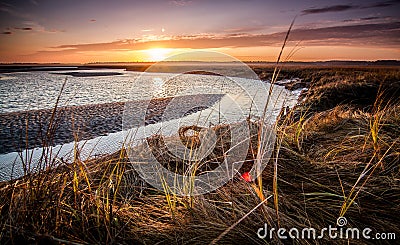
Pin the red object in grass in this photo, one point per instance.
(246, 176)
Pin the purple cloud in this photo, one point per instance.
(23, 28)
(334, 8)
(180, 3)
(345, 7)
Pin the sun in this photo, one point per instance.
(157, 54)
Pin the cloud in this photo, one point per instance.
(11, 10)
(366, 19)
(340, 8)
(382, 34)
(371, 35)
(244, 29)
(23, 28)
(334, 8)
(381, 4)
(92, 20)
(34, 2)
(35, 26)
(6, 33)
(180, 3)
(371, 18)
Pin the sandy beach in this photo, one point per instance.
(85, 122)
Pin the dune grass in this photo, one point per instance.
(337, 154)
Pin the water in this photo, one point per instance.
(39, 90)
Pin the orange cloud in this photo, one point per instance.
(385, 35)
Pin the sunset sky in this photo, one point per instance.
(250, 30)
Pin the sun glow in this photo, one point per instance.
(158, 54)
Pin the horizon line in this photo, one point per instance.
(192, 61)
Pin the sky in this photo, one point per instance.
(84, 31)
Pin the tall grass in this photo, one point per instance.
(329, 164)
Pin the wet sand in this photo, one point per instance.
(30, 129)
(90, 74)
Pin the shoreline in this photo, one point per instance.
(89, 74)
(84, 122)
